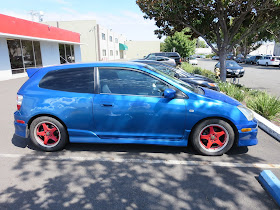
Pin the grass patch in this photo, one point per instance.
(261, 102)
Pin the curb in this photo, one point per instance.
(271, 184)
(268, 126)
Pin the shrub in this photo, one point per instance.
(265, 105)
(232, 90)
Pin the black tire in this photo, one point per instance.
(203, 129)
(266, 64)
(51, 129)
(252, 63)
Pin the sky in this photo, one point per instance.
(122, 16)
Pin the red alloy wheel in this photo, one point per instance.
(47, 134)
(213, 138)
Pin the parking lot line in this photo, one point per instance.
(146, 161)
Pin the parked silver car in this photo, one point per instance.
(162, 59)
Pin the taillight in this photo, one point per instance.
(180, 60)
(272, 59)
(19, 101)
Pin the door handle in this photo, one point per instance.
(107, 105)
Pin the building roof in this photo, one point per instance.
(20, 28)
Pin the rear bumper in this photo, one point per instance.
(21, 129)
(248, 138)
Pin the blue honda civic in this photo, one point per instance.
(127, 103)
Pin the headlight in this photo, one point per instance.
(212, 84)
(229, 70)
(247, 112)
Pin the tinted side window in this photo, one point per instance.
(127, 82)
(78, 80)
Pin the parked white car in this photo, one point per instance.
(162, 59)
(192, 61)
(269, 60)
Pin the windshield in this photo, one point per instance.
(184, 84)
(231, 64)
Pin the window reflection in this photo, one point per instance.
(28, 55)
(66, 53)
(24, 54)
(130, 82)
(15, 54)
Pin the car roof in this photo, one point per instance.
(126, 64)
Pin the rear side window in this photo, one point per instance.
(78, 80)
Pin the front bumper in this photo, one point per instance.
(248, 138)
(235, 73)
(21, 129)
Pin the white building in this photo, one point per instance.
(26, 44)
(111, 46)
(264, 49)
(98, 43)
(139, 49)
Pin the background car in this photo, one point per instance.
(127, 103)
(240, 59)
(174, 55)
(269, 61)
(162, 59)
(192, 61)
(215, 57)
(252, 59)
(193, 79)
(232, 68)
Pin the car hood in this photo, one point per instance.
(220, 96)
(199, 77)
(235, 68)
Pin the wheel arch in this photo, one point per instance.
(236, 134)
(46, 115)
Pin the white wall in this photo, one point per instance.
(50, 53)
(77, 52)
(88, 36)
(5, 66)
(139, 49)
(203, 50)
(265, 49)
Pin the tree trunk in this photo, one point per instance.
(222, 59)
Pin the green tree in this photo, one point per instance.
(200, 44)
(224, 22)
(162, 47)
(181, 42)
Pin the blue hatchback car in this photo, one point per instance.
(127, 103)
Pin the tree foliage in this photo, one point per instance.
(201, 44)
(224, 22)
(181, 42)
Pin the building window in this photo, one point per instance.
(24, 54)
(111, 53)
(111, 38)
(104, 52)
(103, 36)
(117, 53)
(66, 53)
(116, 40)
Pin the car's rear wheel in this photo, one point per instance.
(213, 137)
(48, 134)
(266, 64)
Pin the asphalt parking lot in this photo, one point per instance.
(128, 176)
(256, 77)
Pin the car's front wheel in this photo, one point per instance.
(48, 134)
(213, 137)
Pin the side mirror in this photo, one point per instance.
(169, 93)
